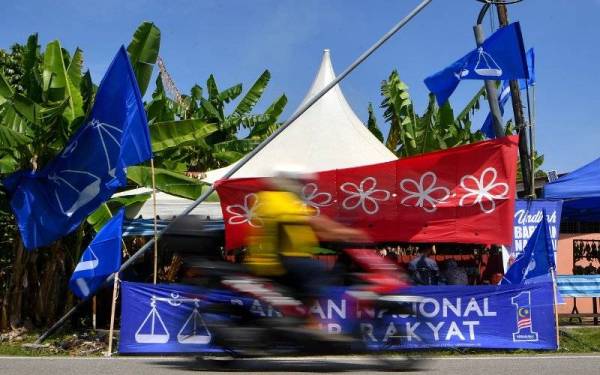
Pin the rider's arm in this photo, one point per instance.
(329, 230)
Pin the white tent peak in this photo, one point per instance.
(324, 76)
(329, 135)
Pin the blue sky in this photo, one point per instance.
(236, 40)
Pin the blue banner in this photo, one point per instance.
(167, 319)
(528, 214)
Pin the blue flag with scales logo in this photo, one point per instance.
(100, 259)
(537, 259)
(488, 128)
(500, 57)
(53, 202)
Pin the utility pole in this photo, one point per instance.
(490, 86)
(526, 169)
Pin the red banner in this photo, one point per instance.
(462, 195)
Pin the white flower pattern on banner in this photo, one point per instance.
(245, 213)
(364, 195)
(312, 197)
(483, 191)
(425, 193)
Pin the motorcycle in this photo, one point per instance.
(360, 275)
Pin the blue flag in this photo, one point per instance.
(488, 128)
(54, 201)
(100, 259)
(500, 57)
(537, 259)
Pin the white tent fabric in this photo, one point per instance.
(168, 206)
(328, 135)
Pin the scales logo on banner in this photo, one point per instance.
(524, 322)
(528, 214)
(153, 329)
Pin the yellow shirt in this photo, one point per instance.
(285, 231)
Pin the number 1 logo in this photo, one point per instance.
(522, 303)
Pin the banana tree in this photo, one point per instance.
(436, 129)
(41, 105)
(224, 145)
(412, 134)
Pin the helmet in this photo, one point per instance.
(293, 172)
(290, 177)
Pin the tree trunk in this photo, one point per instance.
(52, 277)
(18, 281)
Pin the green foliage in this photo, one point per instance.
(170, 134)
(170, 182)
(205, 109)
(412, 134)
(143, 53)
(436, 129)
(372, 124)
(11, 66)
(103, 214)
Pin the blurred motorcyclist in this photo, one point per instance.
(284, 246)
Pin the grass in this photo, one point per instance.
(572, 341)
(580, 340)
(56, 346)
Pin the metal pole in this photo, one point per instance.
(531, 140)
(519, 117)
(491, 90)
(249, 156)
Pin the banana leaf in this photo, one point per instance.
(230, 94)
(55, 79)
(253, 95)
(98, 218)
(74, 78)
(213, 90)
(8, 164)
(10, 139)
(167, 181)
(5, 90)
(169, 134)
(372, 124)
(143, 53)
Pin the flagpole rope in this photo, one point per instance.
(250, 155)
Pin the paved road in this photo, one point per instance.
(509, 365)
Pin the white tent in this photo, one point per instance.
(328, 135)
(168, 206)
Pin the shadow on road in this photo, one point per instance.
(295, 365)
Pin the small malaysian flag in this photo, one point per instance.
(524, 318)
